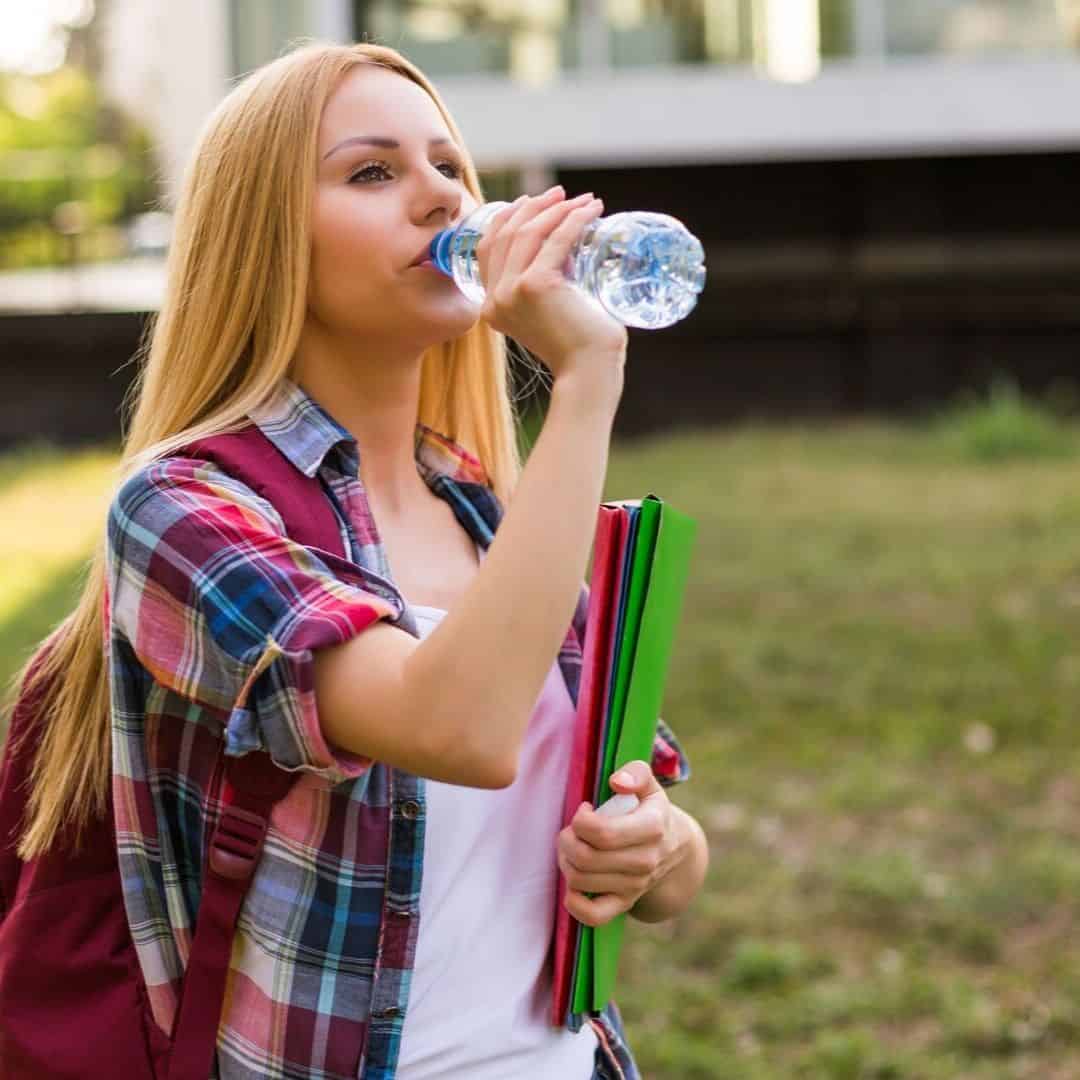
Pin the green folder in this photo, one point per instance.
(658, 568)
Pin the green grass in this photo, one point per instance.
(52, 506)
(877, 680)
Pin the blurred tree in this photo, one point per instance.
(58, 111)
(61, 143)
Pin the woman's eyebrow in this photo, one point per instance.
(379, 140)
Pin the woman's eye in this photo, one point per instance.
(371, 173)
(365, 173)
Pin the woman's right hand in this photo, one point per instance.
(522, 256)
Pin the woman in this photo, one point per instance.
(423, 688)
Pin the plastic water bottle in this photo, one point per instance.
(646, 269)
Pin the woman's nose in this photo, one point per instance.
(440, 196)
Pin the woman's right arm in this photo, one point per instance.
(455, 706)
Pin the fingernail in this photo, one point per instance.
(623, 778)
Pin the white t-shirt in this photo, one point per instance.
(481, 985)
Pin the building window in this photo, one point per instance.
(467, 37)
(979, 26)
(260, 30)
(534, 40)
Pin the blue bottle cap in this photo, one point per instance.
(440, 251)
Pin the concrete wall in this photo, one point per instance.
(685, 115)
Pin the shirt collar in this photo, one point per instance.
(305, 433)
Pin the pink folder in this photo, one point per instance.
(609, 551)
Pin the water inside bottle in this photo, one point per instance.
(645, 268)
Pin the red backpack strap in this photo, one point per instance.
(253, 783)
(250, 457)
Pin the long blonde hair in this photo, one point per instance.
(233, 310)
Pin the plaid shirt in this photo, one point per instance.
(214, 615)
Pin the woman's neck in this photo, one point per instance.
(375, 397)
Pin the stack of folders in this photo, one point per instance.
(641, 559)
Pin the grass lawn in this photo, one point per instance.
(876, 679)
(52, 509)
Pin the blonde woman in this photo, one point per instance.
(422, 688)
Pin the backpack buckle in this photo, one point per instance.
(237, 843)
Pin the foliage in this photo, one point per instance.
(67, 159)
(1004, 426)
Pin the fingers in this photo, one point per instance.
(598, 910)
(636, 777)
(492, 249)
(620, 884)
(645, 825)
(536, 305)
(518, 232)
(556, 247)
(533, 235)
(602, 884)
(576, 856)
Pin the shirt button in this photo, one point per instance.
(410, 809)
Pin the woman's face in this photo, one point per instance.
(389, 178)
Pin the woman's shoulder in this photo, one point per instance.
(170, 491)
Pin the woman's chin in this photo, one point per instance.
(422, 323)
(451, 319)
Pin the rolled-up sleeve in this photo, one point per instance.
(222, 608)
(670, 764)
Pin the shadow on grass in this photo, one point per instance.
(25, 627)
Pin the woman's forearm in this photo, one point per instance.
(485, 664)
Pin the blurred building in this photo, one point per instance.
(886, 189)
(651, 82)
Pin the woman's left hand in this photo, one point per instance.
(624, 857)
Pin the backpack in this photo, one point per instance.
(73, 1003)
